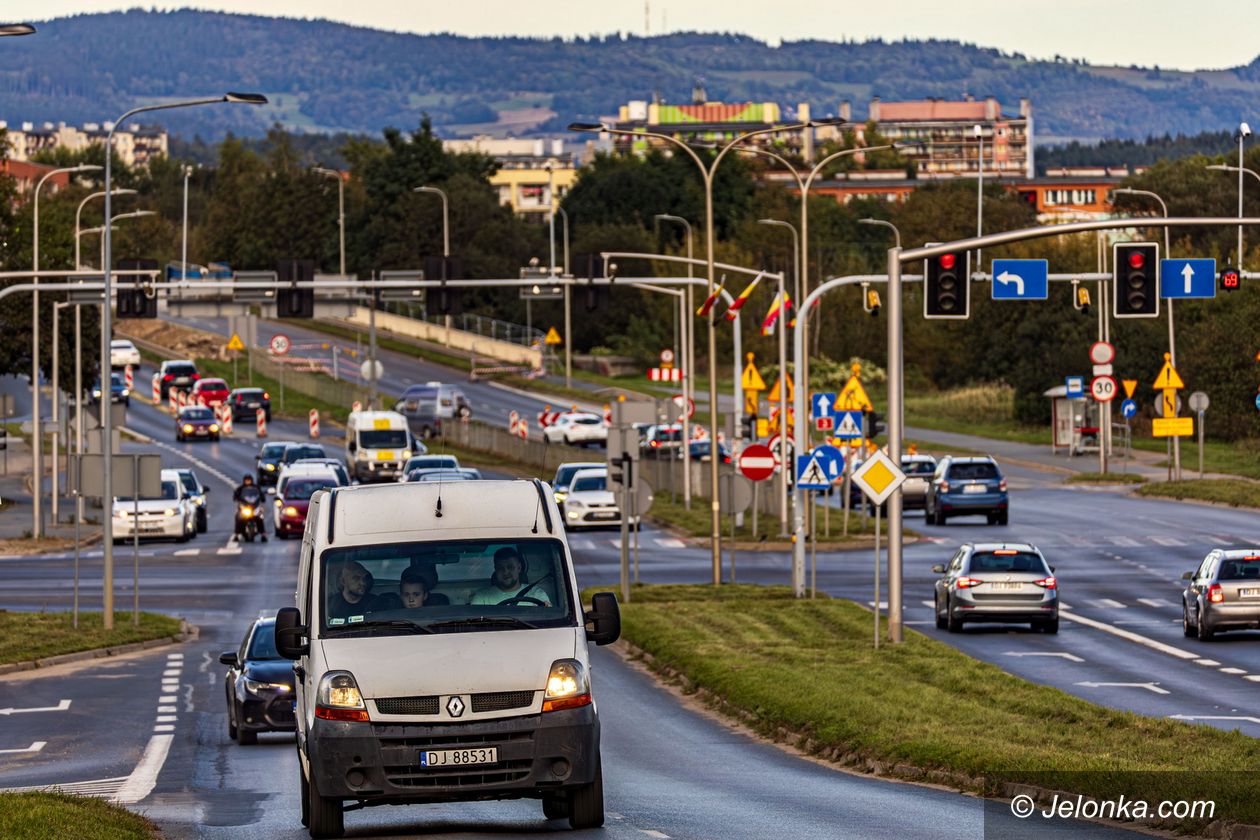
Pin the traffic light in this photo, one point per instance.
(870, 300)
(748, 426)
(445, 300)
(132, 300)
(1136, 287)
(873, 424)
(946, 279)
(1082, 299)
(294, 302)
(593, 266)
(1231, 279)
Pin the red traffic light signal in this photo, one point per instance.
(1231, 279)
(1136, 259)
(948, 261)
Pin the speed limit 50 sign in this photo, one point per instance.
(1103, 388)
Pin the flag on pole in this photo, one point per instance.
(707, 306)
(772, 317)
(733, 311)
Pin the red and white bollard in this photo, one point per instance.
(174, 399)
(129, 378)
(356, 406)
(201, 400)
(260, 416)
(513, 419)
(157, 392)
(607, 414)
(522, 430)
(225, 418)
(314, 423)
(183, 399)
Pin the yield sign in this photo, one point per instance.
(1129, 385)
(757, 462)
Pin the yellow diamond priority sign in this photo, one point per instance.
(878, 477)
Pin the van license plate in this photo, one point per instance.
(459, 758)
(1249, 593)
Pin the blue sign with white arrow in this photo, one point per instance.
(833, 461)
(821, 405)
(1187, 278)
(848, 425)
(1075, 387)
(1128, 408)
(1021, 280)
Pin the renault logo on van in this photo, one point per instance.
(455, 706)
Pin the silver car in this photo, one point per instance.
(918, 470)
(1008, 583)
(1222, 594)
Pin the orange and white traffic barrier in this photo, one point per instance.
(183, 399)
(260, 416)
(522, 430)
(513, 419)
(157, 392)
(314, 423)
(225, 418)
(201, 400)
(174, 399)
(607, 414)
(129, 377)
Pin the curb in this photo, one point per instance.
(803, 745)
(188, 632)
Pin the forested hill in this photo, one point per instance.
(332, 77)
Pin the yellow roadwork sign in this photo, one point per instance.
(553, 337)
(1169, 407)
(751, 380)
(1172, 426)
(853, 396)
(776, 391)
(752, 402)
(235, 343)
(1168, 377)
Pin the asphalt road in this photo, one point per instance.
(151, 731)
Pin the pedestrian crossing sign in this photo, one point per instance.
(811, 474)
(848, 425)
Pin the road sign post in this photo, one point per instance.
(1199, 404)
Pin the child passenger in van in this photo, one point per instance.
(413, 589)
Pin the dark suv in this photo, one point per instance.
(179, 374)
(966, 486)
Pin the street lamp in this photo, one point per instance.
(706, 174)
(446, 242)
(1240, 170)
(341, 210)
(978, 131)
(1244, 131)
(107, 495)
(12, 29)
(689, 355)
(568, 305)
(783, 371)
(183, 254)
(37, 510)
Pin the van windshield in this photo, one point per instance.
(445, 586)
(383, 439)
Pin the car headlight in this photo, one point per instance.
(560, 497)
(126, 392)
(289, 510)
(170, 512)
(568, 686)
(339, 698)
(214, 427)
(361, 455)
(575, 503)
(188, 428)
(269, 467)
(96, 392)
(257, 687)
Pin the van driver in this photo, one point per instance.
(508, 582)
(353, 597)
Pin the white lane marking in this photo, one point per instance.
(166, 719)
(93, 787)
(1070, 657)
(60, 707)
(173, 672)
(174, 656)
(230, 550)
(167, 709)
(33, 748)
(167, 698)
(1171, 542)
(1108, 603)
(931, 604)
(883, 605)
(1149, 686)
(1233, 671)
(651, 832)
(1157, 603)
(1211, 663)
(187, 552)
(164, 727)
(1216, 717)
(671, 542)
(1125, 542)
(183, 453)
(616, 543)
(1220, 540)
(1128, 635)
(1252, 677)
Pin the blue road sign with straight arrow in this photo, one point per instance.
(1021, 280)
(1187, 278)
(821, 405)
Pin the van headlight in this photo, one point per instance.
(568, 686)
(339, 698)
(170, 512)
(406, 453)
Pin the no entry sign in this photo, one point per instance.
(757, 462)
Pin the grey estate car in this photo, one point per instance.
(1009, 583)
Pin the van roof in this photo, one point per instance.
(386, 513)
(361, 417)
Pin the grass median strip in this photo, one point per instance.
(1104, 478)
(35, 635)
(808, 668)
(1227, 491)
(36, 816)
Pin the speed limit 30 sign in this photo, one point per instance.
(1103, 388)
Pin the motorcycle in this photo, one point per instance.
(249, 519)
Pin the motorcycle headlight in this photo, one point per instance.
(246, 512)
(126, 392)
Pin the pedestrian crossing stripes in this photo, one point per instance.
(591, 544)
(1191, 542)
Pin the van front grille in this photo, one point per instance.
(499, 701)
(415, 776)
(408, 705)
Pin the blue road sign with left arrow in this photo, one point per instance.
(1021, 280)
(1187, 278)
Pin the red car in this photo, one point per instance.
(296, 499)
(195, 421)
(213, 391)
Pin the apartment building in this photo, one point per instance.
(528, 170)
(134, 144)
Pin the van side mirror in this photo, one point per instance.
(228, 657)
(352, 446)
(605, 615)
(1187, 575)
(939, 568)
(289, 633)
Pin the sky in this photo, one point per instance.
(1167, 33)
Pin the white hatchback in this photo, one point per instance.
(122, 353)
(591, 503)
(172, 515)
(577, 428)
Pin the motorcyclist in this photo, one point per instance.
(249, 493)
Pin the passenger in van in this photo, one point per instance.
(354, 596)
(509, 581)
(413, 589)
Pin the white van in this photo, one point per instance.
(378, 443)
(441, 655)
